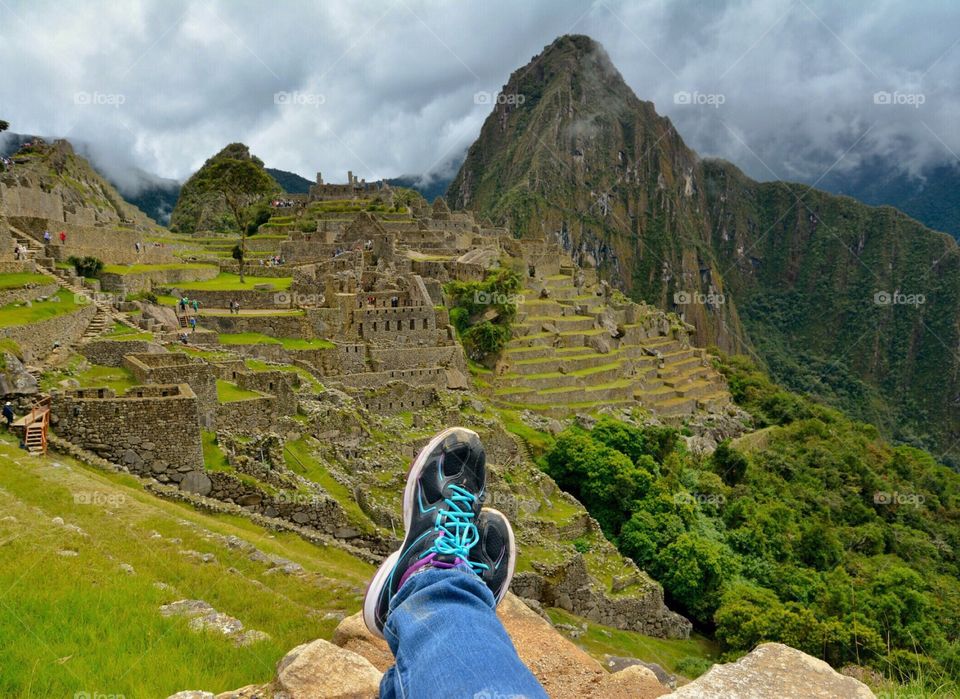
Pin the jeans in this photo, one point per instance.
(449, 643)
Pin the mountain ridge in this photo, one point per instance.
(570, 152)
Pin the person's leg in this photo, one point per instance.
(448, 642)
(434, 599)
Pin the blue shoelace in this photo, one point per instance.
(457, 529)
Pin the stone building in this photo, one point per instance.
(177, 367)
(353, 189)
(152, 430)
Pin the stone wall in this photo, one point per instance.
(111, 352)
(136, 282)
(403, 326)
(418, 357)
(252, 415)
(397, 397)
(37, 339)
(112, 243)
(17, 266)
(431, 376)
(301, 326)
(153, 430)
(177, 367)
(27, 293)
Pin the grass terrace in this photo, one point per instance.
(121, 332)
(306, 376)
(138, 269)
(94, 627)
(229, 392)
(227, 281)
(19, 314)
(290, 343)
(18, 280)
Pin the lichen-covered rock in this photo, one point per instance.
(774, 671)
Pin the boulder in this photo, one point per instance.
(196, 482)
(632, 682)
(14, 377)
(774, 671)
(166, 317)
(599, 344)
(322, 670)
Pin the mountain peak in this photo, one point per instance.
(571, 56)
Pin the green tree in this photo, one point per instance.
(240, 184)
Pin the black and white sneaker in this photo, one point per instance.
(496, 551)
(441, 503)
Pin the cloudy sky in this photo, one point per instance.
(784, 88)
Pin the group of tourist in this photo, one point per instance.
(234, 307)
(283, 203)
(47, 238)
(274, 261)
(5, 163)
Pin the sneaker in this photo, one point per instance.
(496, 550)
(441, 502)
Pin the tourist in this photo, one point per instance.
(238, 307)
(137, 246)
(193, 324)
(63, 237)
(47, 237)
(16, 251)
(184, 338)
(182, 304)
(438, 593)
(196, 306)
(8, 414)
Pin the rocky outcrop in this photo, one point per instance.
(774, 671)
(570, 586)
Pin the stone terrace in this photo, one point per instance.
(576, 349)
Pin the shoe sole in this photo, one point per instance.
(379, 579)
(512, 553)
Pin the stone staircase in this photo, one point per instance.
(35, 250)
(564, 358)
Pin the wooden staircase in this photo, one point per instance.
(35, 425)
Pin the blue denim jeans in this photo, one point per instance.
(448, 642)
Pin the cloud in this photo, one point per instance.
(384, 88)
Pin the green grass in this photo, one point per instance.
(290, 343)
(229, 392)
(227, 281)
(119, 331)
(601, 640)
(137, 269)
(213, 457)
(301, 460)
(18, 280)
(18, 314)
(79, 624)
(117, 378)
